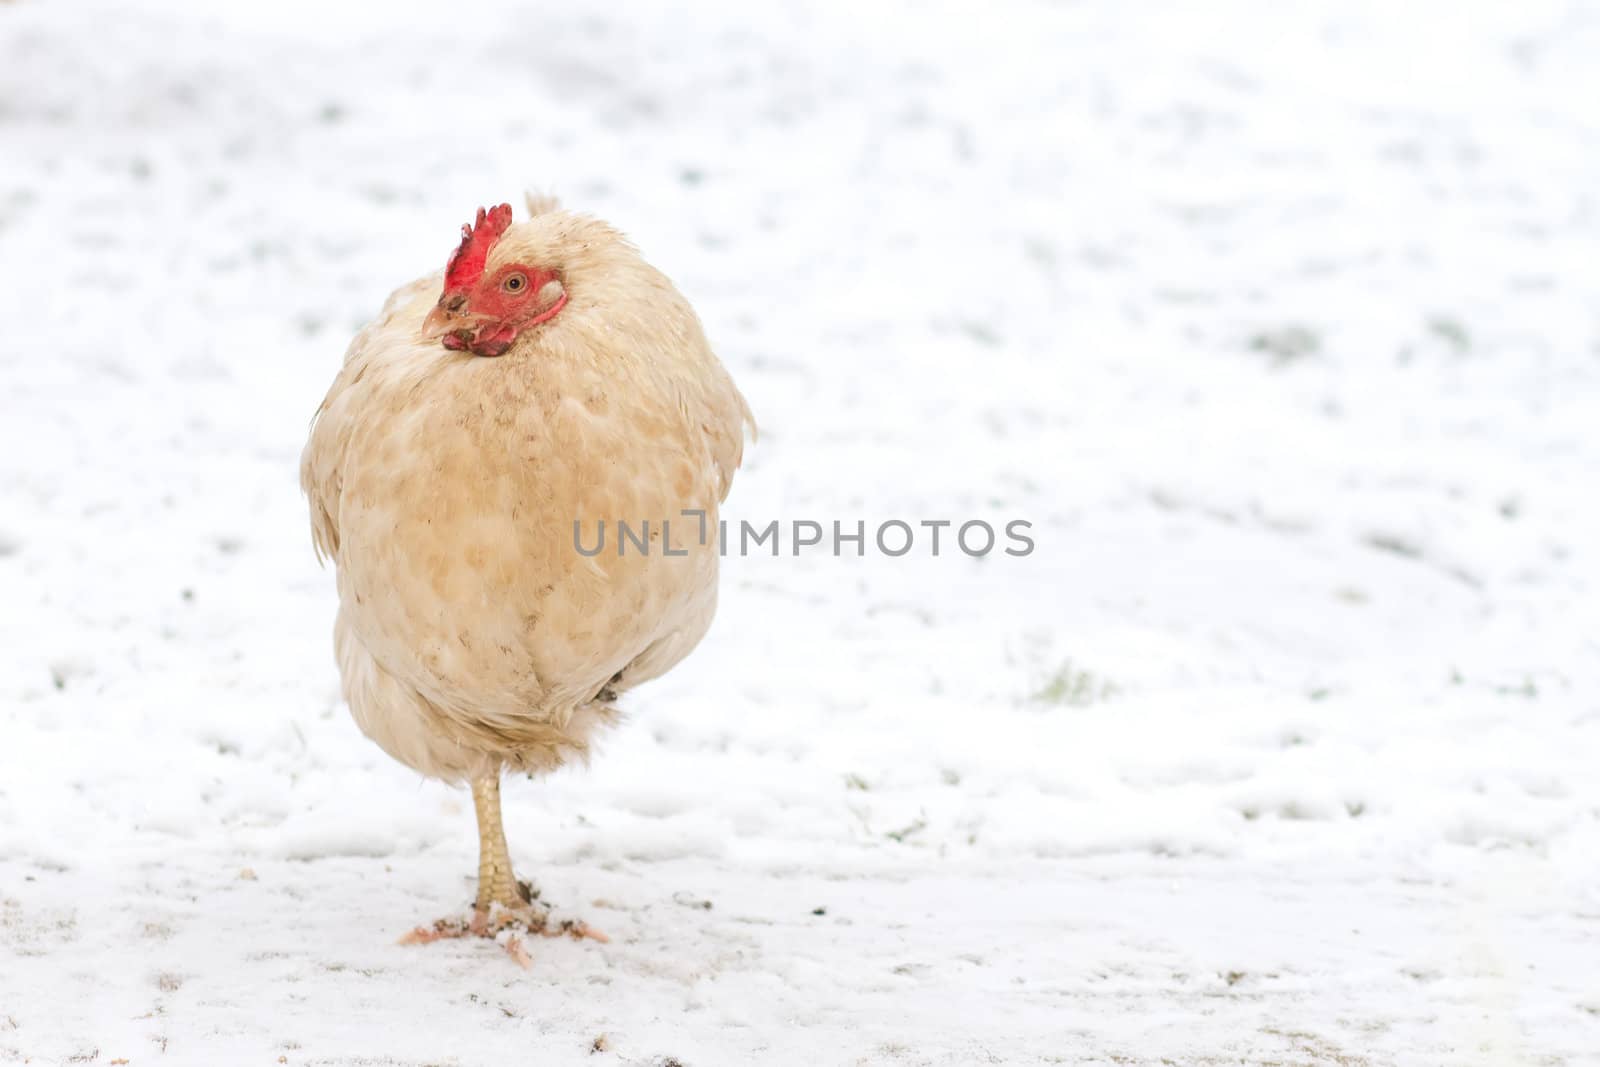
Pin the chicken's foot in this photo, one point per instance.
(504, 904)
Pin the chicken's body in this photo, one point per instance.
(473, 634)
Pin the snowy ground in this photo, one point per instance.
(1280, 323)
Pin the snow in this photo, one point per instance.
(1278, 323)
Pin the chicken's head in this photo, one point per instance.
(484, 308)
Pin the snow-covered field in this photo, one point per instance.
(1280, 324)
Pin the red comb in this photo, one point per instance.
(466, 262)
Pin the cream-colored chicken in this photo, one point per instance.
(549, 377)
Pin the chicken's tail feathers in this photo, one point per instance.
(750, 421)
(540, 203)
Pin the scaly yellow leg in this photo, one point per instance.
(498, 885)
(496, 882)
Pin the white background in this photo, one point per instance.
(1280, 323)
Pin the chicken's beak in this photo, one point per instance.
(446, 317)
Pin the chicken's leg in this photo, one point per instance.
(496, 882)
(503, 903)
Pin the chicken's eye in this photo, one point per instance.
(514, 283)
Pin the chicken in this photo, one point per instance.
(547, 386)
